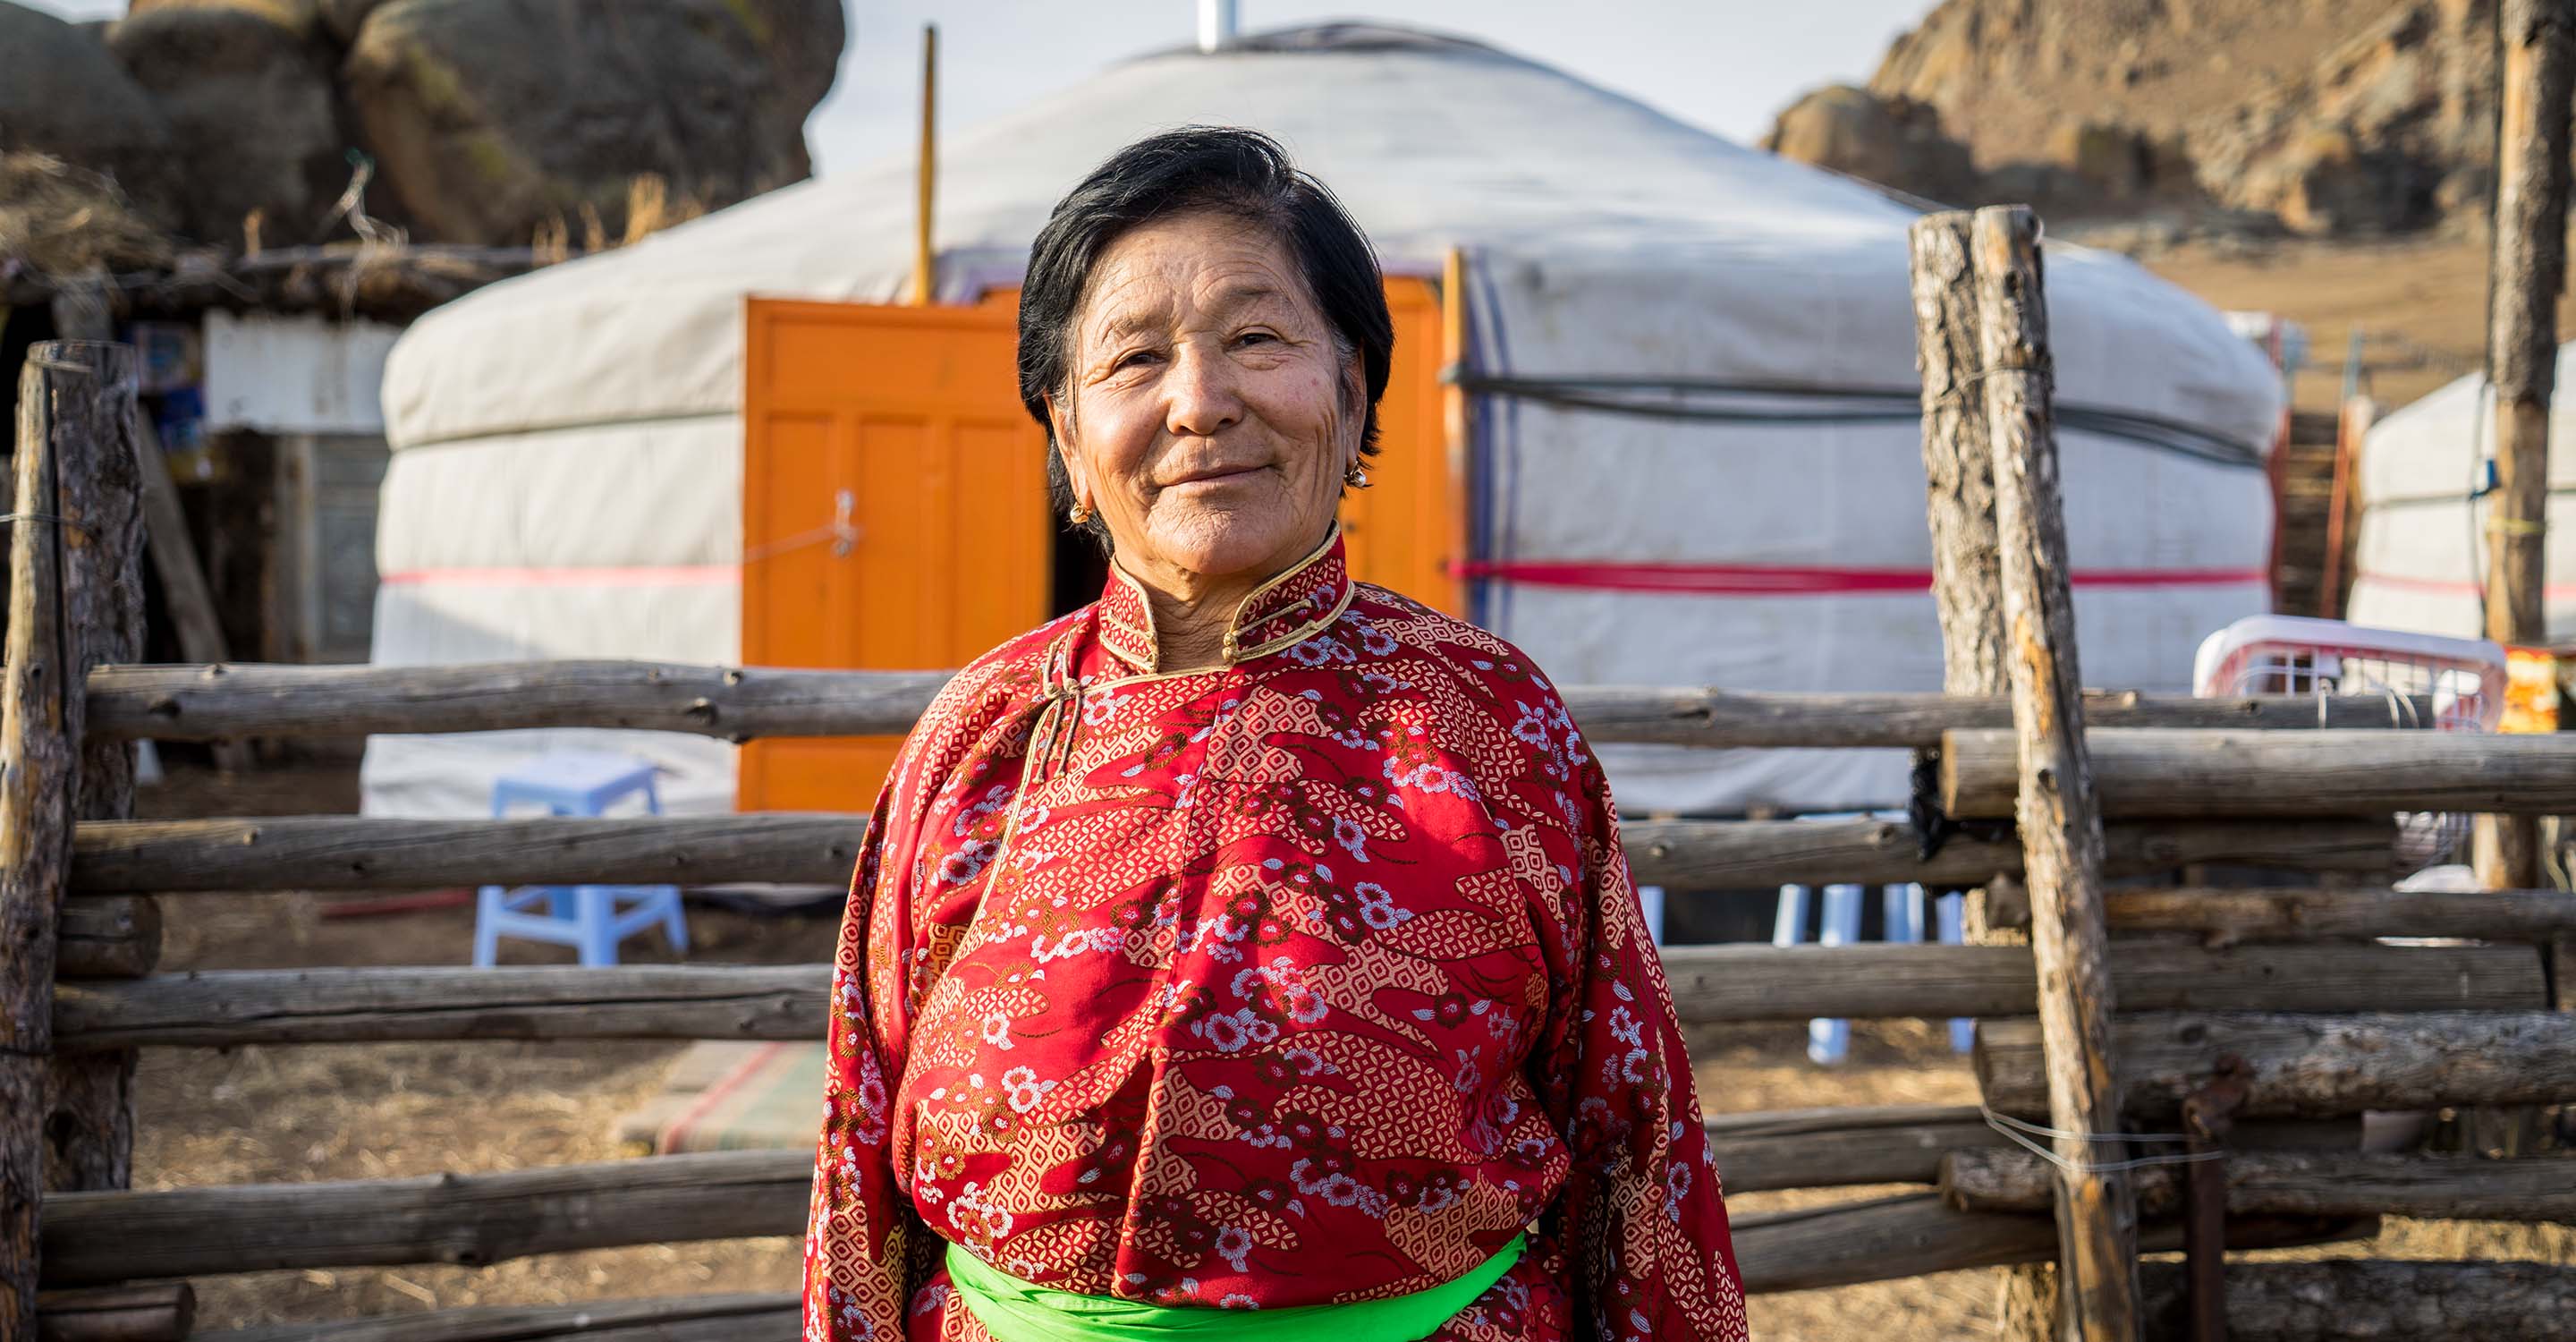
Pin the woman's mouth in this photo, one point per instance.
(1217, 476)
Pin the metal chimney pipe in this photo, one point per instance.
(1216, 24)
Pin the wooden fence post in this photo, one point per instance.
(2527, 271)
(98, 480)
(75, 599)
(1958, 466)
(2060, 830)
(1967, 579)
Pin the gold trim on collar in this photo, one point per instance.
(1233, 649)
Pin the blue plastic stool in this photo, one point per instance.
(588, 918)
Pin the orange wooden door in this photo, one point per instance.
(1404, 529)
(894, 513)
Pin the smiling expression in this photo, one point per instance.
(1212, 412)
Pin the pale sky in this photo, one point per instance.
(1728, 65)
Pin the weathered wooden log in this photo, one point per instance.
(225, 1008)
(691, 1318)
(2149, 774)
(1967, 577)
(2059, 820)
(1914, 1235)
(185, 703)
(447, 1218)
(2229, 916)
(108, 937)
(1958, 465)
(2374, 1300)
(1829, 1148)
(1903, 1144)
(487, 1217)
(74, 399)
(215, 702)
(99, 481)
(337, 853)
(2296, 1183)
(1756, 854)
(149, 1312)
(1875, 980)
(346, 853)
(2527, 273)
(316, 1006)
(2307, 1065)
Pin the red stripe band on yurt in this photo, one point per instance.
(665, 575)
(1770, 580)
(2454, 586)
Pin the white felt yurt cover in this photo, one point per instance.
(2421, 555)
(568, 451)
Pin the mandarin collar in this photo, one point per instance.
(1299, 603)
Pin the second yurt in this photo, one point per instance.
(2423, 478)
(1691, 455)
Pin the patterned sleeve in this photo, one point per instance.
(1642, 1216)
(865, 1249)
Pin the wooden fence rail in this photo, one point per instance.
(2147, 774)
(223, 1008)
(2226, 916)
(445, 1218)
(1876, 980)
(1830, 1148)
(2373, 1300)
(2297, 1183)
(342, 853)
(485, 1218)
(1904, 1144)
(770, 1317)
(1915, 1235)
(2312, 1066)
(226, 1008)
(198, 703)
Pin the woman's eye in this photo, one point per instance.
(1134, 358)
(1256, 338)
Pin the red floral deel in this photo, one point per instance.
(1315, 977)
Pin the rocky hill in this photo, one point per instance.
(2325, 117)
(243, 122)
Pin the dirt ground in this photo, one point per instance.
(264, 1115)
(2420, 303)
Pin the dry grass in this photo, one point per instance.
(2419, 302)
(58, 220)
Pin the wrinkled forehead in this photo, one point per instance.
(1189, 270)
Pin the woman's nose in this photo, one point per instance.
(1202, 398)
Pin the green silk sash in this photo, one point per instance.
(1013, 1310)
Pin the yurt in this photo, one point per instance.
(2421, 553)
(1690, 452)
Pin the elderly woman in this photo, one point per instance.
(1248, 954)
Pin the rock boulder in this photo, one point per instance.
(65, 95)
(246, 87)
(491, 119)
(1895, 142)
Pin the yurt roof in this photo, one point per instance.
(1430, 141)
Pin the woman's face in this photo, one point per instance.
(1211, 416)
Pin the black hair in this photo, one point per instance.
(1226, 169)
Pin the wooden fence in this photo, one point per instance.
(2286, 995)
(2292, 978)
